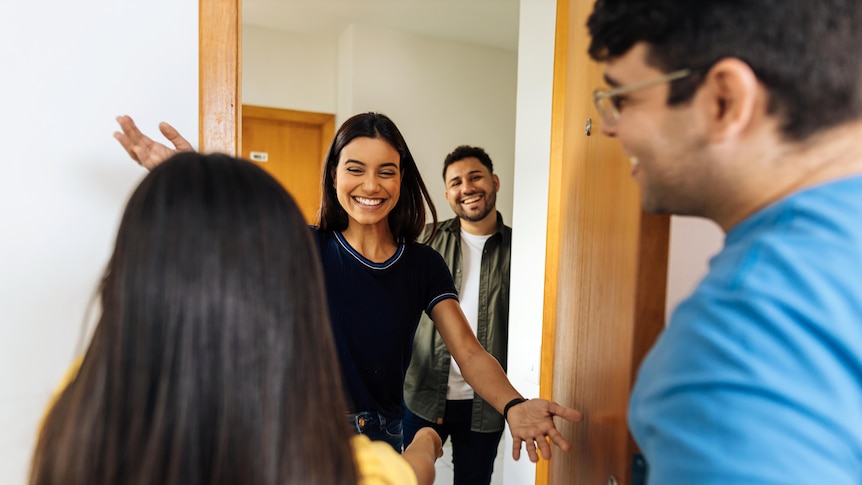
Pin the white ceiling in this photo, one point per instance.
(491, 23)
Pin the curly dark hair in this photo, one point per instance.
(804, 52)
(467, 151)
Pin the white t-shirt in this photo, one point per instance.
(471, 264)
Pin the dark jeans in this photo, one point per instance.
(473, 453)
(377, 428)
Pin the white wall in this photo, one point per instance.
(529, 218)
(69, 69)
(290, 71)
(693, 241)
(441, 94)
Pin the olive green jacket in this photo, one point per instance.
(428, 375)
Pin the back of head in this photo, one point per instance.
(212, 361)
(407, 219)
(804, 52)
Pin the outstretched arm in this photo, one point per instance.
(422, 453)
(529, 422)
(143, 149)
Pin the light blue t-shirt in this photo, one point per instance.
(758, 377)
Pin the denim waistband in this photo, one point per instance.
(364, 420)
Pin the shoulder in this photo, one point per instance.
(321, 237)
(316, 232)
(448, 224)
(505, 230)
(68, 377)
(378, 464)
(442, 227)
(447, 232)
(423, 254)
(809, 243)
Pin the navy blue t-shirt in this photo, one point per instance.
(375, 309)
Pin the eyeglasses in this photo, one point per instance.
(608, 101)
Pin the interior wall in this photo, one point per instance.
(287, 70)
(532, 165)
(69, 69)
(693, 241)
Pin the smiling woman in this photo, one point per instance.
(379, 282)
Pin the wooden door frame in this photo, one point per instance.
(652, 250)
(220, 76)
(325, 121)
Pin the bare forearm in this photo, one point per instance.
(530, 421)
(485, 375)
(423, 453)
(479, 368)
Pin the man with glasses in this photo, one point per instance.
(758, 377)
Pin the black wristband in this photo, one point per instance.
(509, 405)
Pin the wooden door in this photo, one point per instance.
(605, 275)
(290, 145)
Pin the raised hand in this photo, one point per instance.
(531, 421)
(143, 149)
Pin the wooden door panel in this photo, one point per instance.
(295, 144)
(606, 266)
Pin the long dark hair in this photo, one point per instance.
(407, 219)
(212, 361)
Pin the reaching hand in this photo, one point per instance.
(532, 420)
(143, 149)
(423, 451)
(434, 445)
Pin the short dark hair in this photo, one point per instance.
(213, 359)
(467, 151)
(806, 53)
(407, 219)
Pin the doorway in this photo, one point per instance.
(290, 145)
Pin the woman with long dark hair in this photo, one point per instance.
(212, 361)
(379, 281)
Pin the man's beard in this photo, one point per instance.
(490, 200)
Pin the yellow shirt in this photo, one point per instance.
(378, 464)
